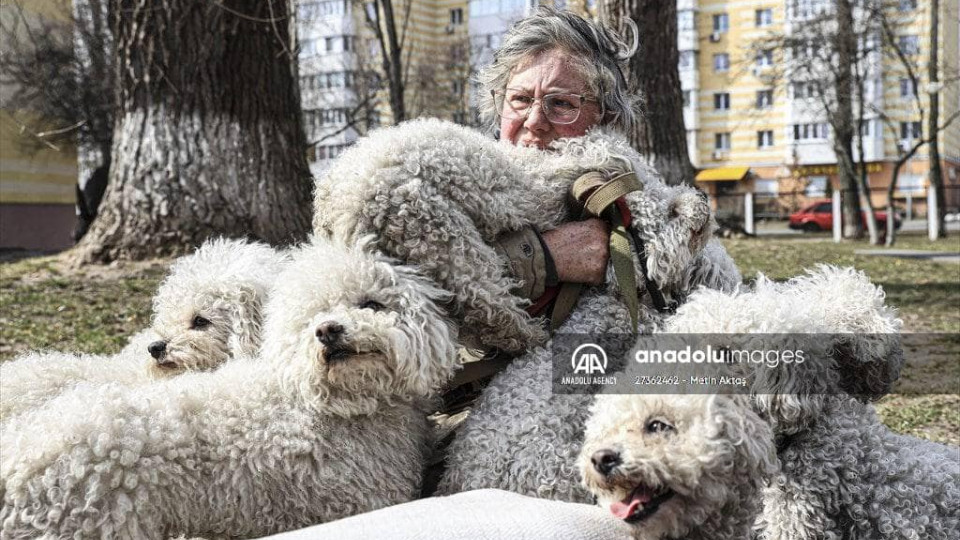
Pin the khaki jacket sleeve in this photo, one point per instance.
(528, 261)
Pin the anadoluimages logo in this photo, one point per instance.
(589, 359)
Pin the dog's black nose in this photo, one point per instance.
(604, 461)
(157, 349)
(329, 332)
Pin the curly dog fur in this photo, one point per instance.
(436, 194)
(843, 474)
(223, 281)
(326, 423)
(678, 466)
(521, 436)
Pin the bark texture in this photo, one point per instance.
(208, 138)
(659, 135)
(842, 122)
(933, 124)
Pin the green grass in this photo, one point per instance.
(926, 293)
(44, 304)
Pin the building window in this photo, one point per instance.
(721, 141)
(457, 86)
(801, 90)
(721, 22)
(807, 9)
(308, 47)
(309, 11)
(688, 60)
(765, 186)
(764, 99)
(907, 5)
(907, 88)
(764, 17)
(765, 139)
(347, 43)
(817, 187)
(689, 98)
(910, 131)
(911, 183)
(456, 16)
(765, 58)
(909, 45)
(803, 132)
(721, 101)
(721, 62)
(686, 20)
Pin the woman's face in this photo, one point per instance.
(549, 72)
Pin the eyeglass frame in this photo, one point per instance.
(583, 97)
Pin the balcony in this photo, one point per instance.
(689, 79)
(688, 40)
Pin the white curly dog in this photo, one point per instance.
(843, 473)
(437, 194)
(208, 309)
(678, 466)
(522, 436)
(326, 423)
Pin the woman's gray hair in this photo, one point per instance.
(596, 50)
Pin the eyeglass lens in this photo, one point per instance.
(558, 108)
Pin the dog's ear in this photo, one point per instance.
(750, 435)
(675, 225)
(430, 359)
(246, 318)
(867, 364)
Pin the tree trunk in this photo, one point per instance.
(208, 138)
(659, 134)
(863, 183)
(936, 171)
(843, 125)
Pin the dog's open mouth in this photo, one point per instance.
(641, 503)
(167, 364)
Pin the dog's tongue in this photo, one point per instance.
(625, 508)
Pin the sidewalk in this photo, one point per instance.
(933, 256)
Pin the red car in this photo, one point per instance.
(818, 216)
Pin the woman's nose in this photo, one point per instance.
(536, 118)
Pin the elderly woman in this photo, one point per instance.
(556, 75)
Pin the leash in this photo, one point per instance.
(600, 199)
(605, 199)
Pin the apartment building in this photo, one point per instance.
(750, 128)
(445, 42)
(753, 129)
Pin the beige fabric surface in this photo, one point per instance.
(486, 514)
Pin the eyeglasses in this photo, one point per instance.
(558, 108)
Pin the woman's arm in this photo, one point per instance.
(573, 252)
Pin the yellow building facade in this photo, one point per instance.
(37, 187)
(743, 111)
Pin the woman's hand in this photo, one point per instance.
(580, 250)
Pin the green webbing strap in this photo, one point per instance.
(602, 195)
(608, 193)
(622, 258)
(564, 304)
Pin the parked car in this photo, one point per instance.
(818, 216)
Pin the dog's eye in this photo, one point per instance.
(372, 304)
(657, 426)
(199, 323)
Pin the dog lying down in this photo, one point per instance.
(327, 422)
